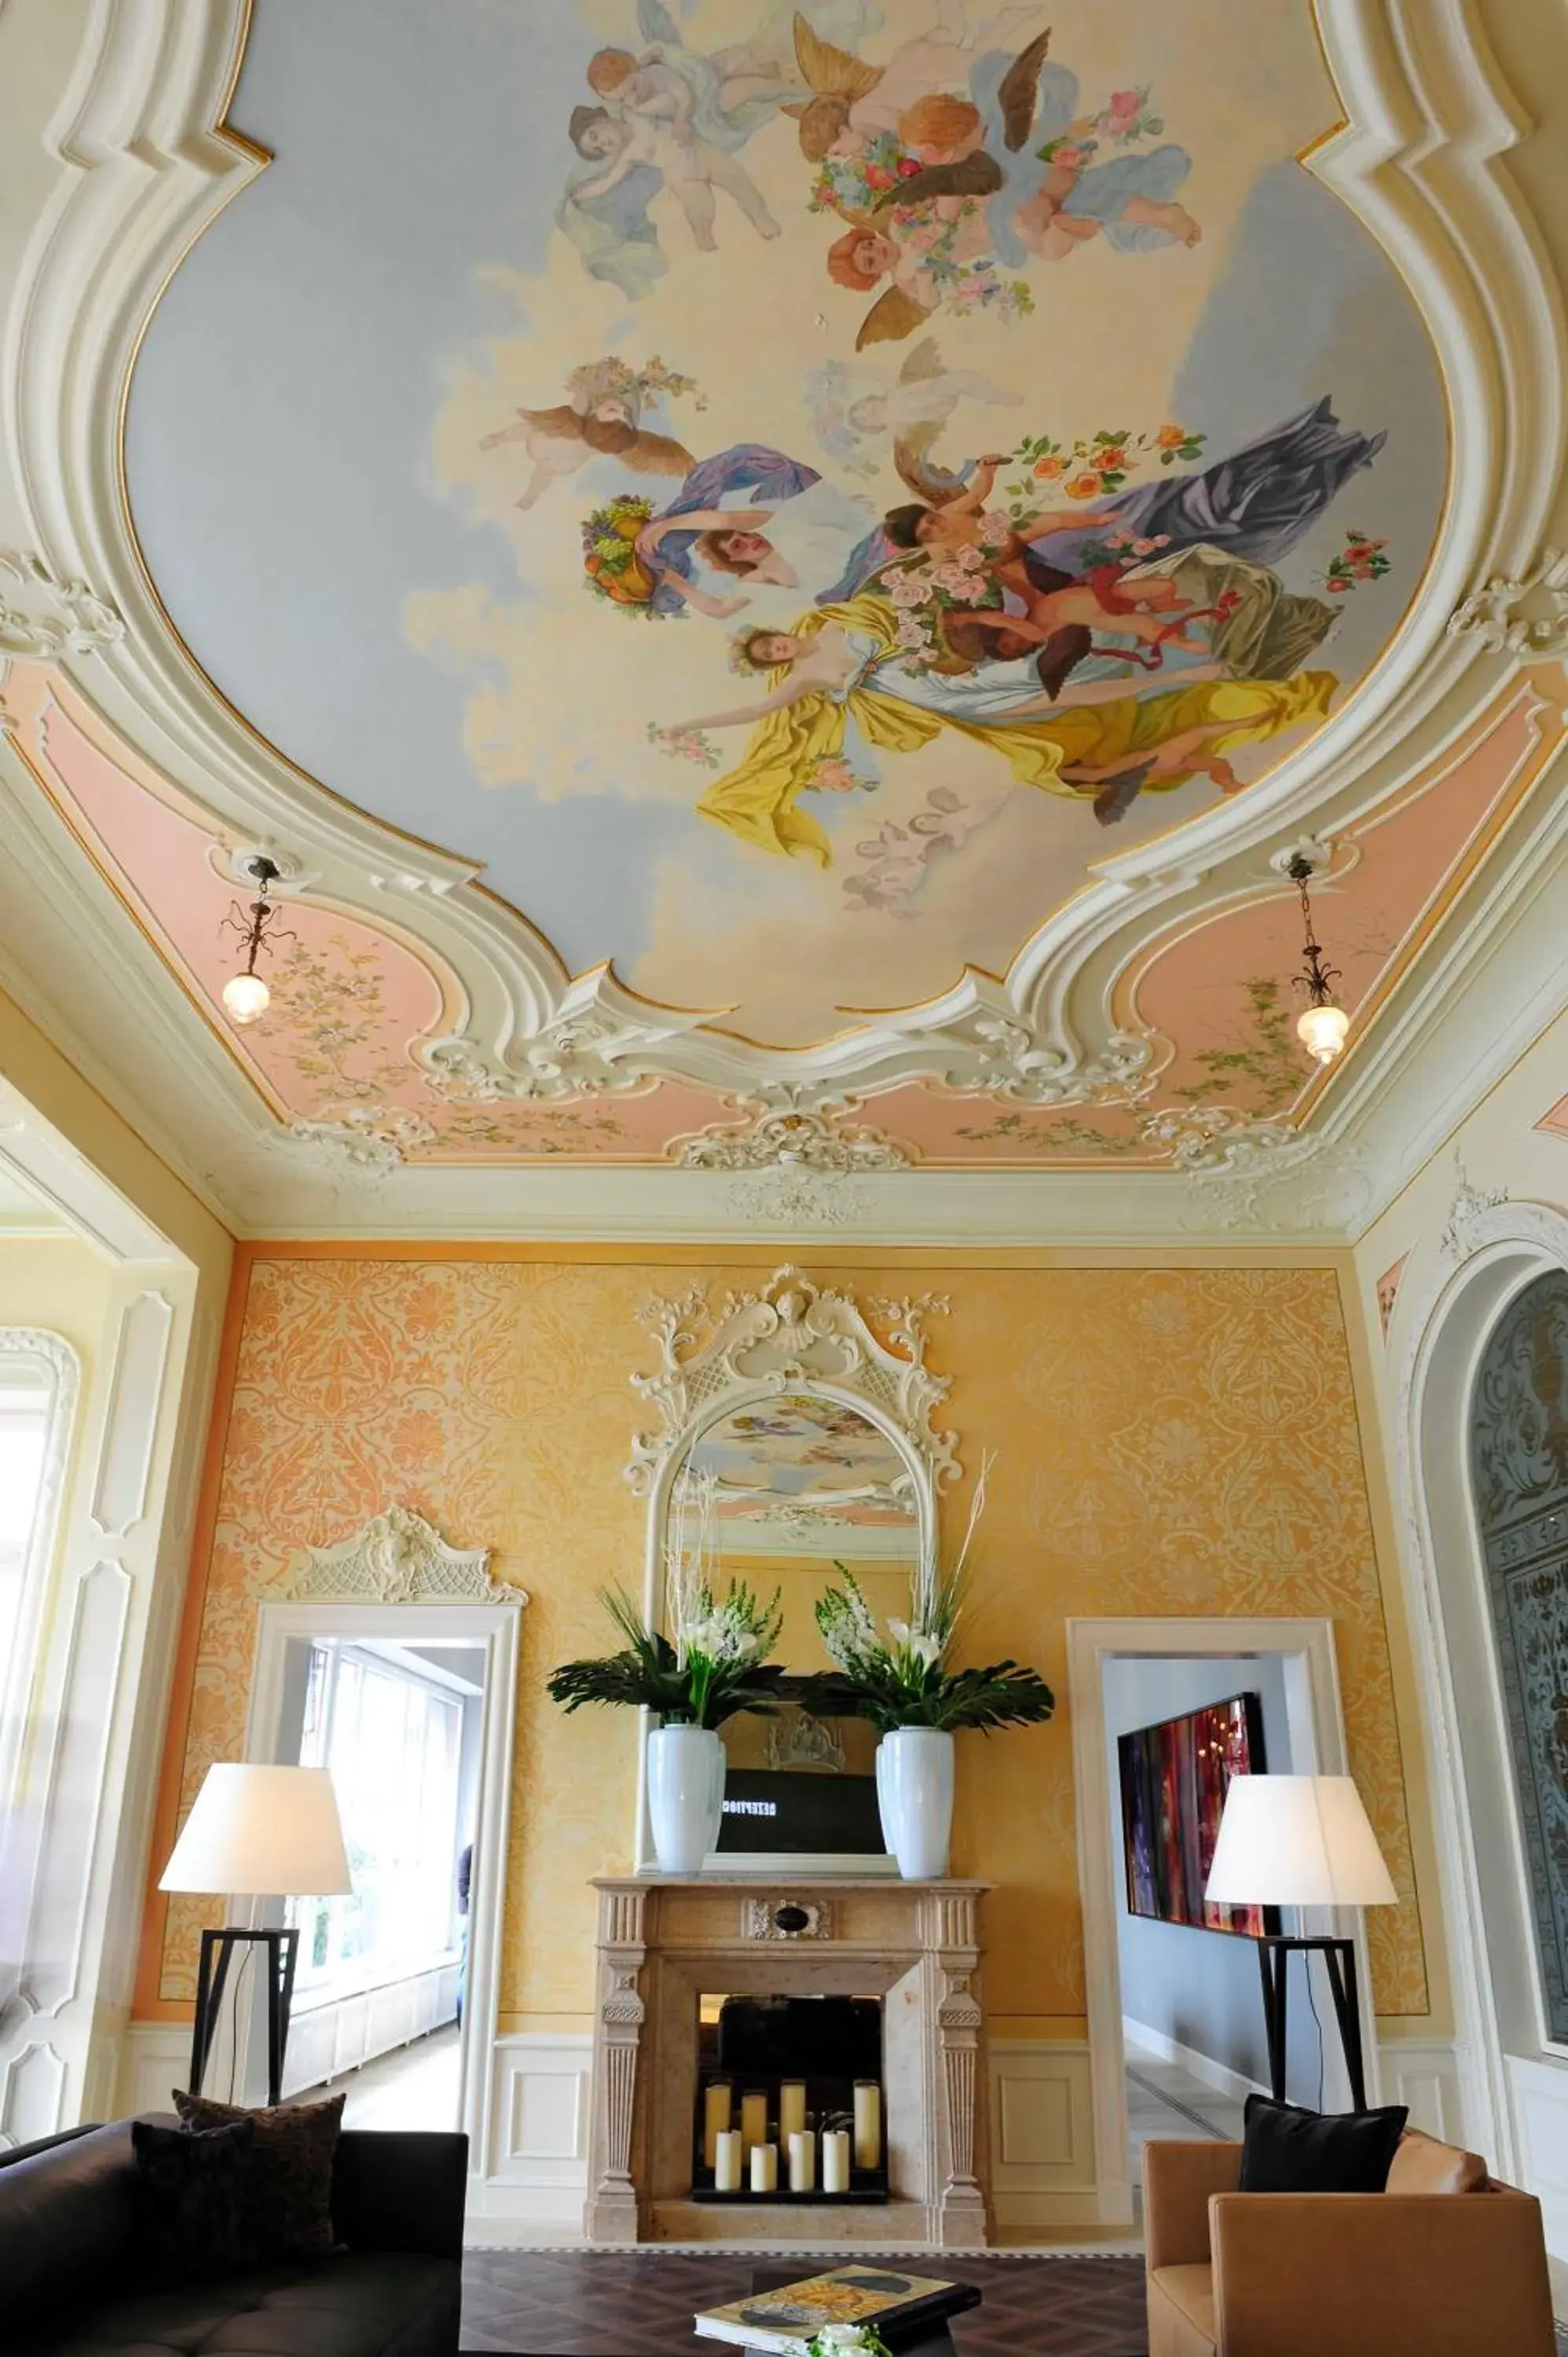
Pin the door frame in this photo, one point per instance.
(496, 1626)
(1315, 1712)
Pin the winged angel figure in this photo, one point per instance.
(602, 417)
(668, 117)
(854, 404)
(923, 157)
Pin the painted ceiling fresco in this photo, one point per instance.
(789, 491)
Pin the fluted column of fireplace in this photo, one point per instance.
(664, 1945)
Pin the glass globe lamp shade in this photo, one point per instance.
(1322, 1031)
(246, 996)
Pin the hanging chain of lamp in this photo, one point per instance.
(245, 994)
(1322, 1024)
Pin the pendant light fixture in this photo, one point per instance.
(245, 994)
(1322, 1024)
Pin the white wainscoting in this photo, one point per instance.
(535, 2176)
(1042, 2138)
(155, 2059)
(337, 2035)
(1540, 2092)
(1426, 2075)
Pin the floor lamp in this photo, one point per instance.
(1301, 1841)
(256, 1833)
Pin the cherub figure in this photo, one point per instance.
(602, 417)
(656, 136)
(920, 267)
(668, 117)
(851, 406)
(1061, 611)
(853, 105)
(1062, 194)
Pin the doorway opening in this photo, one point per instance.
(1176, 2016)
(378, 1994)
(410, 1708)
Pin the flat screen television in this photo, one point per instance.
(1174, 1777)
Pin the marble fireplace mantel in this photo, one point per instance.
(664, 1940)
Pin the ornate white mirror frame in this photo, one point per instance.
(791, 1335)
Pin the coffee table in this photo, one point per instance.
(928, 2336)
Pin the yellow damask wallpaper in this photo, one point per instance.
(1168, 1440)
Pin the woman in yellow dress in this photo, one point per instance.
(844, 662)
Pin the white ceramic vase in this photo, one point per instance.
(685, 1795)
(914, 1793)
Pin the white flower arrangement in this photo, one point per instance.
(847, 2340)
(729, 1633)
(905, 1679)
(849, 1628)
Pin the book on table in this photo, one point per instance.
(786, 2318)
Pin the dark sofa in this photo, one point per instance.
(68, 2282)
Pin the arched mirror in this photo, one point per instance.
(796, 1434)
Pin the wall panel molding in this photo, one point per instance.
(141, 1353)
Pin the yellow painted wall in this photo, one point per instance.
(61, 1283)
(1168, 1440)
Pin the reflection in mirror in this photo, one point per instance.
(776, 1493)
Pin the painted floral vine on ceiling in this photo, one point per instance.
(329, 1024)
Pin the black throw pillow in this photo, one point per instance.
(192, 2201)
(290, 2173)
(1285, 2149)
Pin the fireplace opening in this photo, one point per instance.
(790, 2105)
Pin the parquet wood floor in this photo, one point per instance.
(640, 2304)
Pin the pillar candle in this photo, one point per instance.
(727, 2161)
(765, 2169)
(867, 2124)
(753, 2118)
(836, 2162)
(802, 2161)
(715, 2117)
(791, 2109)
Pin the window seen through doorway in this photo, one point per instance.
(392, 1743)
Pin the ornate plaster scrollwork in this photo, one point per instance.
(1005, 1058)
(1215, 1137)
(363, 1146)
(793, 1198)
(399, 1558)
(1527, 616)
(43, 618)
(796, 1740)
(787, 1136)
(793, 1331)
(600, 1040)
(1469, 1205)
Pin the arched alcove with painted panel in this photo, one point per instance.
(1481, 1394)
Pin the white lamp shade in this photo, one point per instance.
(1323, 1031)
(261, 1833)
(1297, 1841)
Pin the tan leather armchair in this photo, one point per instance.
(1445, 2264)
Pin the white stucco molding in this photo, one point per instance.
(397, 1557)
(1490, 1251)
